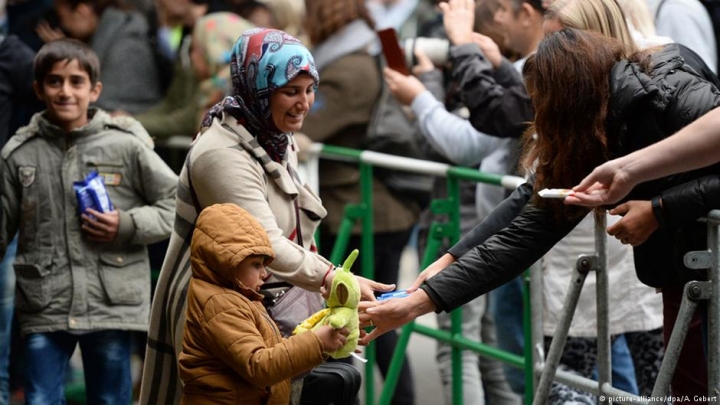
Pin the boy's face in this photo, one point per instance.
(251, 272)
(67, 93)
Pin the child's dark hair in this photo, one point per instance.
(66, 49)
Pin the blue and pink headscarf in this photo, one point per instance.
(262, 61)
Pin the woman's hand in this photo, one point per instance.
(403, 88)
(436, 267)
(368, 288)
(458, 18)
(393, 313)
(637, 224)
(607, 184)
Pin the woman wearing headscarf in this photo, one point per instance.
(244, 154)
(212, 40)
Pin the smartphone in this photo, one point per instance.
(394, 55)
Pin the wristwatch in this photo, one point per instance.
(658, 211)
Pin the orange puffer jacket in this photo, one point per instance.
(233, 352)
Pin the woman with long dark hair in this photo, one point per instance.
(593, 102)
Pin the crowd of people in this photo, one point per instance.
(612, 97)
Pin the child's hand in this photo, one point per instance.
(332, 339)
(102, 228)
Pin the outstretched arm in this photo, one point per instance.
(693, 147)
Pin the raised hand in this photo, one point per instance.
(458, 18)
(403, 88)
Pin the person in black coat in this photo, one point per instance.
(17, 98)
(593, 103)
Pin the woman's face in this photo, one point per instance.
(198, 62)
(290, 104)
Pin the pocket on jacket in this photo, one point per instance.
(125, 279)
(33, 287)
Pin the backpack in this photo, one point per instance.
(392, 130)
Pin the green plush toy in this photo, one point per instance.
(342, 308)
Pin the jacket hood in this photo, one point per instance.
(224, 235)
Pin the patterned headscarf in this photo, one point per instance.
(262, 61)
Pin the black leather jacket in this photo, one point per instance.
(644, 108)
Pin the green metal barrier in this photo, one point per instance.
(450, 207)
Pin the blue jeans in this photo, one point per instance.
(7, 299)
(506, 304)
(106, 365)
(623, 366)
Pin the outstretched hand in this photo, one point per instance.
(393, 313)
(368, 288)
(607, 184)
(436, 267)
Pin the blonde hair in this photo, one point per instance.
(288, 15)
(602, 16)
(638, 16)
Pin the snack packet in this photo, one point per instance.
(91, 193)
